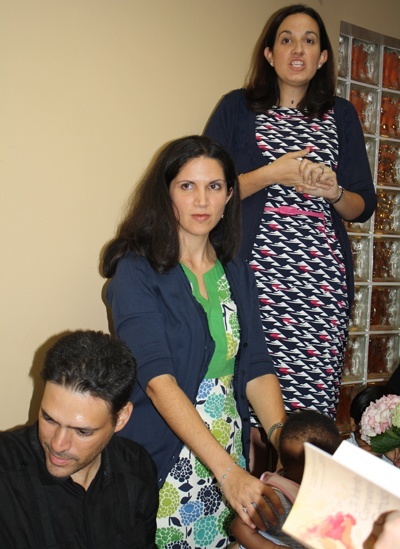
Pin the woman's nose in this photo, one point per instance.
(201, 197)
(298, 46)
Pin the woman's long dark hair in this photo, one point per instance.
(262, 90)
(150, 227)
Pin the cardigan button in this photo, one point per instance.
(244, 344)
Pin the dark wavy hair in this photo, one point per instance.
(262, 90)
(94, 363)
(150, 227)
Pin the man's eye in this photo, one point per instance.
(84, 433)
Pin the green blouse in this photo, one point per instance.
(222, 318)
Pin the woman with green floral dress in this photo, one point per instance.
(188, 310)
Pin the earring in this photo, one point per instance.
(222, 216)
(319, 66)
(272, 63)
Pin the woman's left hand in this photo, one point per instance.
(318, 180)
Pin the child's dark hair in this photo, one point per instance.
(364, 398)
(309, 426)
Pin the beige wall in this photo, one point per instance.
(89, 89)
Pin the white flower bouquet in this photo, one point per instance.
(380, 424)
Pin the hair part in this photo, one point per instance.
(150, 227)
(94, 363)
(262, 89)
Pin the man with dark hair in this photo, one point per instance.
(67, 481)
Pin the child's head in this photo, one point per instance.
(305, 426)
(358, 406)
(364, 398)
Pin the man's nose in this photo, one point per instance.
(61, 440)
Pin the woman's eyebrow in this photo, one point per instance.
(291, 32)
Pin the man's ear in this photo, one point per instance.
(123, 416)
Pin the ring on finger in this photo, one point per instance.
(245, 508)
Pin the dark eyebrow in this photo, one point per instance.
(43, 411)
(290, 32)
(190, 181)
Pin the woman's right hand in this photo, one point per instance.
(247, 494)
(283, 171)
(286, 169)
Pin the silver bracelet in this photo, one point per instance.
(273, 428)
(341, 191)
(227, 473)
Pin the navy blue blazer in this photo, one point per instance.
(232, 124)
(167, 332)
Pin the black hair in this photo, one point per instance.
(150, 227)
(262, 90)
(364, 398)
(94, 363)
(308, 426)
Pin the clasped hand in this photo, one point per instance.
(313, 178)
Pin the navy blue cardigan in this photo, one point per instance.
(167, 332)
(232, 124)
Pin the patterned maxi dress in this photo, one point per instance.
(299, 269)
(193, 514)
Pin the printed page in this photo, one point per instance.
(336, 505)
(369, 466)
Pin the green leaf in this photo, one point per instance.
(387, 441)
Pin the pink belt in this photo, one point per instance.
(291, 210)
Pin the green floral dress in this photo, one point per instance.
(193, 513)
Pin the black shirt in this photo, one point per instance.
(38, 510)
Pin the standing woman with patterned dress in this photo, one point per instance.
(188, 310)
(300, 155)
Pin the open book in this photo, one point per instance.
(341, 496)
